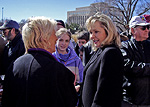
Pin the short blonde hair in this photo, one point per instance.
(63, 31)
(109, 27)
(37, 31)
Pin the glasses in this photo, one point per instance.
(143, 27)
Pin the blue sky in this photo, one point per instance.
(55, 9)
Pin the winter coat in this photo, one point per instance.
(2, 45)
(73, 63)
(13, 49)
(37, 79)
(103, 78)
(137, 71)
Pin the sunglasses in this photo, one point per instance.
(144, 27)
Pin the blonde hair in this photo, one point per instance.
(63, 31)
(109, 27)
(37, 31)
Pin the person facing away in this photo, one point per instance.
(37, 79)
(14, 47)
(136, 54)
(66, 55)
(102, 78)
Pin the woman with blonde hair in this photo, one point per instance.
(37, 79)
(102, 84)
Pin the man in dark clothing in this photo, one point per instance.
(15, 46)
(83, 47)
(82, 38)
(136, 54)
(2, 45)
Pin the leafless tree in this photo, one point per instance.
(22, 23)
(123, 10)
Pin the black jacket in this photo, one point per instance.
(137, 71)
(12, 51)
(38, 80)
(103, 77)
(87, 52)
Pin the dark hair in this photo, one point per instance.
(62, 22)
(17, 31)
(83, 35)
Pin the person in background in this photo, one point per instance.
(66, 55)
(61, 24)
(147, 17)
(84, 46)
(123, 36)
(87, 52)
(2, 46)
(81, 53)
(82, 38)
(14, 47)
(103, 78)
(136, 54)
(37, 79)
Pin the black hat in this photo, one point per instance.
(10, 24)
(61, 23)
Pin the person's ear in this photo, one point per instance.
(132, 30)
(13, 30)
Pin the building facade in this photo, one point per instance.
(80, 15)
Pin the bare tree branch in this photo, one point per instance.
(126, 9)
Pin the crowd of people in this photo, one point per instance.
(42, 66)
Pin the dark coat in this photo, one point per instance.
(39, 80)
(13, 49)
(103, 78)
(137, 71)
(2, 45)
(87, 52)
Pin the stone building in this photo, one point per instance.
(81, 14)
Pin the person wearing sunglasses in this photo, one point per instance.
(136, 52)
(14, 47)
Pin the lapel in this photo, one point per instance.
(93, 58)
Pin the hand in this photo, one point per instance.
(77, 88)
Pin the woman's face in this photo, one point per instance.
(97, 34)
(63, 42)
